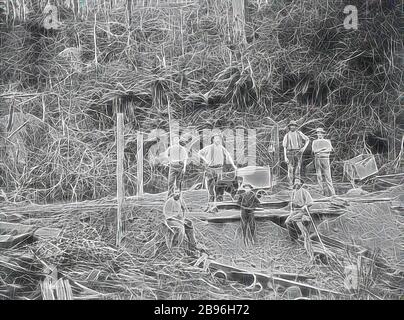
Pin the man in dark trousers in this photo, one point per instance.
(177, 157)
(294, 144)
(248, 202)
(299, 218)
(215, 156)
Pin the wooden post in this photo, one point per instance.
(119, 171)
(239, 20)
(139, 164)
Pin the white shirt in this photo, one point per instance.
(293, 140)
(320, 144)
(173, 209)
(214, 154)
(176, 154)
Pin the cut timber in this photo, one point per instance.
(53, 288)
(277, 216)
(266, 281)
(9, 241)
(16, 228)
(366, 200)
(267, 205)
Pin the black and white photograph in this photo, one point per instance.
(224, 151)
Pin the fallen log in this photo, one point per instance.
(277, 216)
(276, 204)
(10, 241)
(53, 288)
(16, 228)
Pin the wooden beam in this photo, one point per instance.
(139, 156)
(9, 227)
(276, 216)
(267, 205)
(119, 174)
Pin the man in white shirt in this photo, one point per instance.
(215, 156)
(321, 149)
(177, 157)
(179, 227)
(294, 145)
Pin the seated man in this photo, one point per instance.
(248, 202)
(299, 218)
(178, 226)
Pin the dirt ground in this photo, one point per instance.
(85, 251)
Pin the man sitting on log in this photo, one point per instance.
(299, 219)
(248, 202)
(178, 226)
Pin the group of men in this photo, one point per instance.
(215, 156)
(294, 145)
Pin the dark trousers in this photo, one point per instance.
(248, 226)
(174, 237)
(294, 165)
(175, 176)
(215, 190)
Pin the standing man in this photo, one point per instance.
(215, 156)
(294, 145)
(248, 202)
(321, 149)
(177, 157)
(299, 219)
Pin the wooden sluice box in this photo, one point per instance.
(361, 167)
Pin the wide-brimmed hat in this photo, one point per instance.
(320, 130)
(216, 133)
(292, 123)
(300, 179)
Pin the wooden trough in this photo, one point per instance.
(272, 282)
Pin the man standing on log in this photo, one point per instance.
(177, 157)
(299, 218)
(321, 149)
(294, 145)
(215, 156)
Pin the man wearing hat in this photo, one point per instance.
(248, 202)
(178, 226)
(294, 144)
(177, 157)
(215, 156)
(321, 148)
